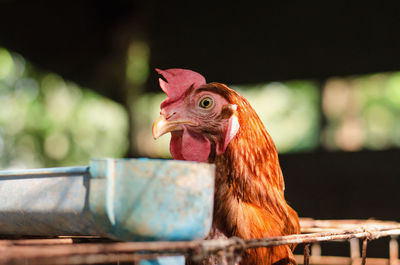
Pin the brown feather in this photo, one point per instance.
(249, 196)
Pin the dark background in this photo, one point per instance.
(229, 42)
(236, 43)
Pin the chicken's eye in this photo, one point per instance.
(206, 103)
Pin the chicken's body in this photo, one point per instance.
(249, 196)
(249, 189)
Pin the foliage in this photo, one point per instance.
(290, 112)
(362, 112)
(46, 121)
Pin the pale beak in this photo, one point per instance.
(162, 126)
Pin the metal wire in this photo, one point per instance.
(65, 251)
(364, 251)
(306, 254)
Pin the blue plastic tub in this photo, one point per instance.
(125, 199)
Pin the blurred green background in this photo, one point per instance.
(47, 121)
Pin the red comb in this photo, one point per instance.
(178, 81)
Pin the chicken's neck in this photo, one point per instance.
(249, 173)
(250, 167)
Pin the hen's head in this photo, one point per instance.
(201, 118)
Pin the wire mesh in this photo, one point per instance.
(94, 250)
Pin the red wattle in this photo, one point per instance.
(186, 145)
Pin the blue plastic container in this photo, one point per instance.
(125, 199)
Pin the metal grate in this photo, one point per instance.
(92, 250)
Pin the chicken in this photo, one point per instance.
(209, 122)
